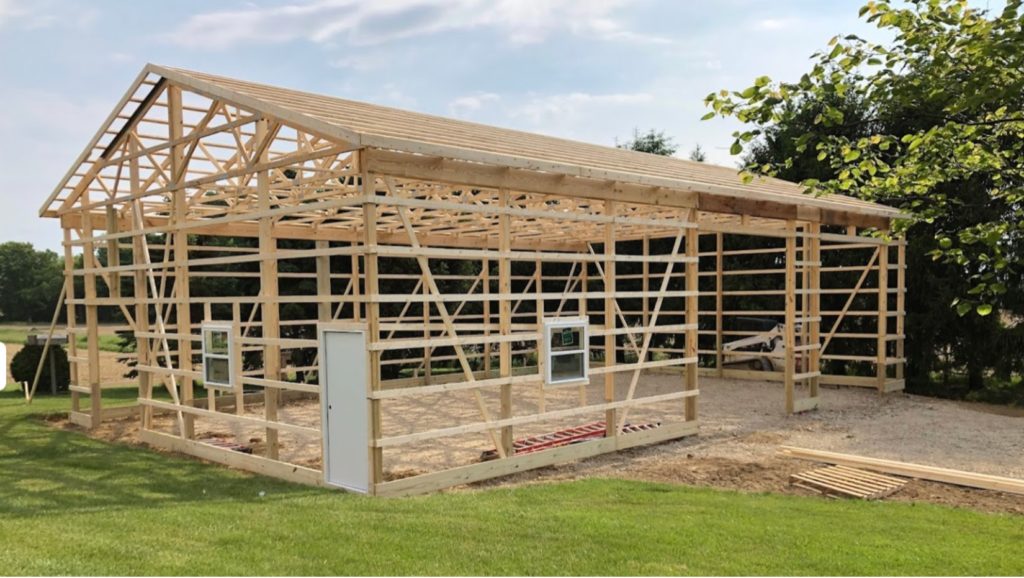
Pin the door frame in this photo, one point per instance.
(323, 329)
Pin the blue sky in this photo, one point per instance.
(590, 70)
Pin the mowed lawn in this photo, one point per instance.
(72, 505)
(15, 334)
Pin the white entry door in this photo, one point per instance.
(343, 384)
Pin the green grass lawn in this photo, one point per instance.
(16, 334)
(73, 505)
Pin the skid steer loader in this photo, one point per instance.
(762, 351)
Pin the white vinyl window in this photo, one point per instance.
(218, 362)
(567, 350)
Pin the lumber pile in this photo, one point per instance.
(921, 472)
(850, 482)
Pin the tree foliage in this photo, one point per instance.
(698, 154)
(939, 132)
(30, 282)
(653, 141)
(26, 361)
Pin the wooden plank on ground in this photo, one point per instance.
(921, 472)
(851, 482)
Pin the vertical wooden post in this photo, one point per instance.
(180, 240)
(790, 328)
(645, 274)
(211, 394)
(236, 318)
(692, 311)
(485, 278)
(814, 309)
(428, 352)
(270, 321)
(369, 191)
(881, 364)
(719, 305)
(505, 315)
(72, 313)
(323, 283)
(901, 307)
(584, 283)
(142, 349)
(803, 258)
(538, 284)
(324, 292)
(91, 319)
(357, 305)
(611, 415)
(113, 254)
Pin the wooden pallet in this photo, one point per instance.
(845, 481)
(590, 431)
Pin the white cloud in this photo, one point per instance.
(9, 12)
(774, 24)
(470, 103)
(361, 62)
(45, 14)
(540, 110)
(368, 23)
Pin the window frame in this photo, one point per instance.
(229, 330)
(552, 324)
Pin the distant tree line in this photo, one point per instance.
(30, 282)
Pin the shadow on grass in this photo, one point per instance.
(45, 470)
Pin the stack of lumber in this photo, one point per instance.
(931, 473)
(851, 482)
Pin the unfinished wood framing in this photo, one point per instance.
(277, 213)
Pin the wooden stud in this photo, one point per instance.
(692, 313)
(368, 188)
(505, 320)
(719, 304)
(789, 337)
(611, 416)
(901, 302)
(269, 308)
(881, 365)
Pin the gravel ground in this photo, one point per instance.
(742, 426)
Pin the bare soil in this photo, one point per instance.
(742, 426)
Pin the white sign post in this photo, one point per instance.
(3, 366)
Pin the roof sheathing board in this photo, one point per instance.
(363, 124)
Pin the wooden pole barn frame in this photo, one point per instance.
(479, 234)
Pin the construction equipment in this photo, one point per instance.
(758, 351)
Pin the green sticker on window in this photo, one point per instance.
(568, 337)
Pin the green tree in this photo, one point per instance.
(30, 282)
(698, 154)
(652, 141)
(940, 133)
